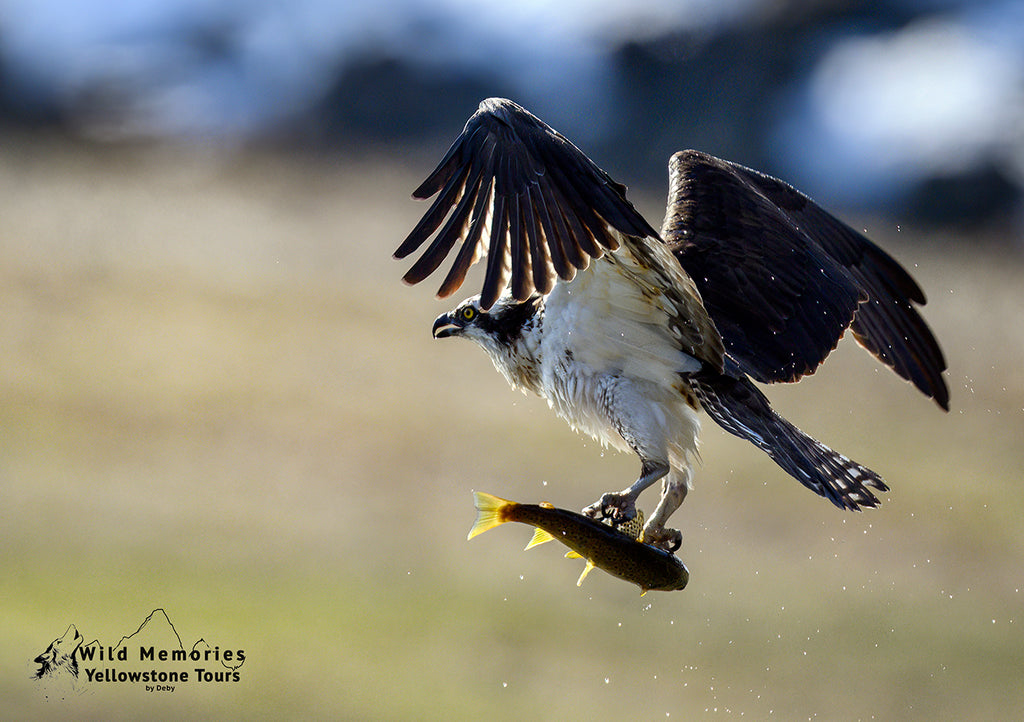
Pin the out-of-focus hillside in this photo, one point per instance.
(216, 397)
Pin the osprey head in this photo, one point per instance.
(503, 324)
(463, 320)
(509, 333)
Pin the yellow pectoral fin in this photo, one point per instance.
(489, 510)
(586, 571)
(573, 555)
(539, 537)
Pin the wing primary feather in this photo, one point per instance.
(522, 282)
(583, 239)
(611, 210)
(455, 157)
(539, 258)
(586, 226)
(890, 328)
(558, 260)
(494, 276)
(450, 233)
(435, 214)
(869, 334)
(467, 254)
(916, 357)
(570, 249)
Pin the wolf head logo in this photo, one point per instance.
(60, 658)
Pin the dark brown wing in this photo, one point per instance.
(783, 279)
(513, 187)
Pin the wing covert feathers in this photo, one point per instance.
(663, 282)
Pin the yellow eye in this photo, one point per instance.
(468, 313)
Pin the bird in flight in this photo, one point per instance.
(629, 332)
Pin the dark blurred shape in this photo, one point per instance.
(694, 90)
(724, 90)
(967, 201)
(389, 99)
(720, 89)
(21, 104)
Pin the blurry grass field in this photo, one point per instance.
(217, 398)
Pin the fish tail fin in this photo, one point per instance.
(539, 537)
(490, 512)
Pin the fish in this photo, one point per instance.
(601, 545)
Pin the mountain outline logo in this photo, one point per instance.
(153, 655)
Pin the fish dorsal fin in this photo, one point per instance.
(539, 537)
(586, 571)
(573, 555)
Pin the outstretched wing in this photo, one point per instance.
(783, 279)
(513, 188)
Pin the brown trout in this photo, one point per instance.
(600, 544)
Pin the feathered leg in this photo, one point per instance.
(673, 492)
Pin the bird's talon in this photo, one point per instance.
(675, 543)
(619, 508)
(669, 540)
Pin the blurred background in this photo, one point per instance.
(216, 397)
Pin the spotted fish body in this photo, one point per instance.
(603, 546)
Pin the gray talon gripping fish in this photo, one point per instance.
(600, 544)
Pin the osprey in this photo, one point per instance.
(628, 333)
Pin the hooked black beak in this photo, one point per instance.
(445, 326)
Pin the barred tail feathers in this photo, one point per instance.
(742, 410)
